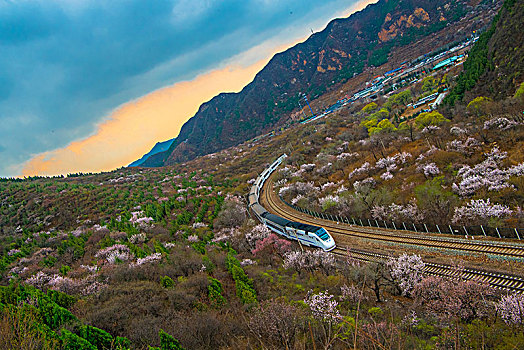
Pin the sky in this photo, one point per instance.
(91, 85)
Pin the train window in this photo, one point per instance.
(321, 232)
(274, 227)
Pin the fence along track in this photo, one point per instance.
(516, 251)
(496, 280)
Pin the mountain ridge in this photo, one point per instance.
(159, 147)
(344, 48)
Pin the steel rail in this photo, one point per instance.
(515, 251)
(496, 280)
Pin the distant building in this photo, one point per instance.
(447, 62)
(392, 72)
(425, 100)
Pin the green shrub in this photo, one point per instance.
(199, 247)
(121, 343)
(231, 261)
(245, 292)
(208, 264)
(369, 107)
(385, 126)
(375, 311)
(520, 91)
(53, 315)
(383, 113)
(64, 269)
(243, 284)
(215, 292)
(168, 342)
(429, 118)
(49, 261)
(71, 341)
(99, 338)
(167, 282)
(62, 299)
(429, 83)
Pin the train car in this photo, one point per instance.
(253, 195)
(259, 211)
(252, 199)
(309, 235)
(275, 223)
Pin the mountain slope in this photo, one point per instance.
(495, 66)
(505, 51)
(333, 55)
(159, 147)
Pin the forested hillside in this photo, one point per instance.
(495, 66)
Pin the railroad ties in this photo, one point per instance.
(496, 280)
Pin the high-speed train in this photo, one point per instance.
(308, 235)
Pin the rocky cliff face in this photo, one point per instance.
(417, 19)
(344, 48)
(159, 147)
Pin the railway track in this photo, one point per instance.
(342, 229)
(496, 280)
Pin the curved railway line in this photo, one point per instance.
(496, 280)
(340, 230)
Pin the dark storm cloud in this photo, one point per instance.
(66, 64)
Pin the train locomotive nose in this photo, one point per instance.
(330, 245)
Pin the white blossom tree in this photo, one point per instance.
(407, 271)
(511, 309)
(480, 210)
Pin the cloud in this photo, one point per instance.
(66, 65)
(127, 135)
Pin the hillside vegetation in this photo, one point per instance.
(170, 257)
(496, 65)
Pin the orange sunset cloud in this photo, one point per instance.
(133, 129)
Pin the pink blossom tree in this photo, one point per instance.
(499, 124)
(272, 244)
(453, 300)
(309, 260)
(430, 170)
(351, 293)
(193, 238)
(324, 309)
(306, 189)
(468, 147)
(486, 174)
(233, 213)
(329, 201)
(275, 324)
(115, 253)
(147, 260)
(398, 212)
(363, 169)
(257, 233)
(386, 176)
(323, 306)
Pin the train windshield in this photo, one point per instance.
(322, 234)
